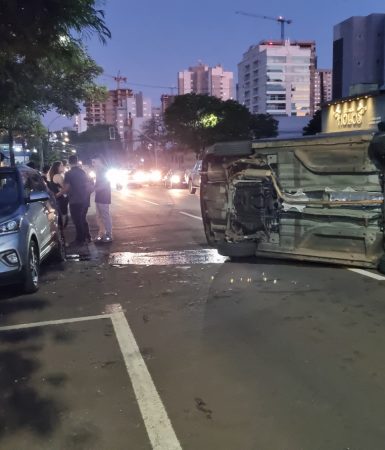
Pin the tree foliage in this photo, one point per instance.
(315, 124)
(96, 140)
(43, 62)
(197, 121)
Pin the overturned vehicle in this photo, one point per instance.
(315, 198)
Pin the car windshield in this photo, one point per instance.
(9, 193)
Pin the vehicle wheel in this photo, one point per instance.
(236, 249)
(59, 254)
(191, 188)
(32, 270)
(381, 264)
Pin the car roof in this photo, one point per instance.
(22, 167)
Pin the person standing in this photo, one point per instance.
(55, 179)
(79, 187)
(102, 201)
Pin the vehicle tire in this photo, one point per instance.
(236, 249)
(191, 188)
(59, 253)
(32, 270)
(381, 265)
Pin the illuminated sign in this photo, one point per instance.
(350, 114)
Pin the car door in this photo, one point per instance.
(41, 215)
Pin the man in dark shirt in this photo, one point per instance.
(102, 201)
(78, 186)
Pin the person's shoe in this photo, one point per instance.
(107, 239)
(98, 239)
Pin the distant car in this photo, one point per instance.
(29, 230)
(193, 177)
(175, 179)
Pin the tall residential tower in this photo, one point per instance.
(203, 79)
(277, 77)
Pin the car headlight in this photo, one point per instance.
(175, 179)
(155, 175)
(11, 226)
(140, 176)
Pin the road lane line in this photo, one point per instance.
(151, 203)
(190, 215)
(366, 273)
(54, 322)
(158, 425)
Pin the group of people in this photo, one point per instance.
(73, 189)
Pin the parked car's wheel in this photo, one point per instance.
(32, 270)
(191, 188)
(236, 249)
(59, 253)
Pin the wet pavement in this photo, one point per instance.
(167, 258)
(251, 355)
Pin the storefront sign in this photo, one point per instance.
(350, 114)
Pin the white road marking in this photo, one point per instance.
(366, 273)
(190, 215)
(54, 322)
(158, 425)
(151, 203)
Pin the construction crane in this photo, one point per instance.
(119, 79)
(281, 20)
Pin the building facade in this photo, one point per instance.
(358, 54)
(120, 108)
(165, 101)
(277, 77)
(80, 123)
(323, 81)
(203, 79)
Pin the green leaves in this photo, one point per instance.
(43, 62)
(314, 126)
(197, 121)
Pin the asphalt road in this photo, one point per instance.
(155, 342)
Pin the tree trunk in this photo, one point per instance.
(11, 149)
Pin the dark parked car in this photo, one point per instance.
(315, 198)
(29, 231)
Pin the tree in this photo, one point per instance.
(197, 121)
(96, 140)
(315, 124)
(33, 29)
(43, 63)
(263, 126)
(22, 124)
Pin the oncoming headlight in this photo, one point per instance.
(175, 179)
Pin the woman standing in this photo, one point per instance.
(56, 183)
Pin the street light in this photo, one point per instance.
(48, 138)
(152, 141)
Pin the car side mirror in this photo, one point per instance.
(38, 196)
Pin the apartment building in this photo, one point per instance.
(277, 77)
(202, 79)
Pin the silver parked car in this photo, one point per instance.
(29, 231)
(193, 177)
